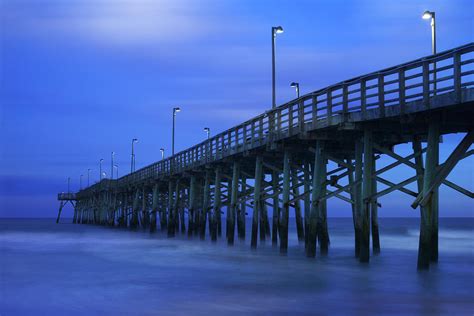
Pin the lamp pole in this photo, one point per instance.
(208, 131)
(431, 15)
(296, 85)
(175, 110)
(116, 167)
(132, 164)
(100, 169)
(112, 166)
(275, 30)
(162, 150)
(88, 176)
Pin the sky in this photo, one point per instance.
(81, 78)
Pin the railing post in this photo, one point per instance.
(329, 106)
(301, 116)
(290, 119)
(457, 77)
(345, 103)
(426, 84)
(363, 99)
(381, 95)
(401, 90)
(314, 111)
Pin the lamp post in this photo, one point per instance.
(427, 15)
(80, 182)
(88, 176)
(208, 131)
(275, 30)
(112, 166)
(100, 169)
(296, 85)
(162, 150)
(175, 110)
(116, 167)
(132, 164)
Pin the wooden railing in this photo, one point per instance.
(374, 93)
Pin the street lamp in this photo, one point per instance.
(80, 182)
(296, 85)
(100, 169)
(88, 176)
(112, 166)
(427, 15)
(162, 150)
(175, 110)
(132, 164)
(208, 131)
(275, 30)
(116, 167)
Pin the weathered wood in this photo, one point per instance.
(242, 211)
(154, 208)
(366, 193)
(233, 203)
(297, 206)
(257, 201)
(217, 204)
(286, 198)
(307, 200)
(374, 214)
(192, 206)
(134, 218)
(428, 224)
(276, 207)
(171, 221)
(205, 206)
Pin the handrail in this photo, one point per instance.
(370, 91)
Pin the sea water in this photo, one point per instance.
(75, 269)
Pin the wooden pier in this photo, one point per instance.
(293, 158)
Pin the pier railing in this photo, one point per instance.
(372, 96)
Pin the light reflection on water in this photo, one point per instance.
(79, 269)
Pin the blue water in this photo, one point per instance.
(68, 269)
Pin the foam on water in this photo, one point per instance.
(70, 269)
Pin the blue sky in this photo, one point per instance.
(81, 78)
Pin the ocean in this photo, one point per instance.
(75, 269)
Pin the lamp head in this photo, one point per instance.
(176, 109)
(294, 85)
(206, 129)
(277, 29)
(135, 140)
(427, 15)
(162, 149)
(101, 160)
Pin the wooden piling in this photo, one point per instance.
(171, 221)
(154, 207)
(286, 198)
(217, 205)
(205, 206)
(257, 201)
(298, 217)
(233, 203)
(192, 206)
(316, 195)
(242, 210)
(276, 207)
(374, 215)
(366, 193)
(429, 211)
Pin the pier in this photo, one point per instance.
(294, 158)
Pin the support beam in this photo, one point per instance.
(154, 208)
(275, 207)
(297, 206)
(242, 211)
(316, 193)
(217, 204)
